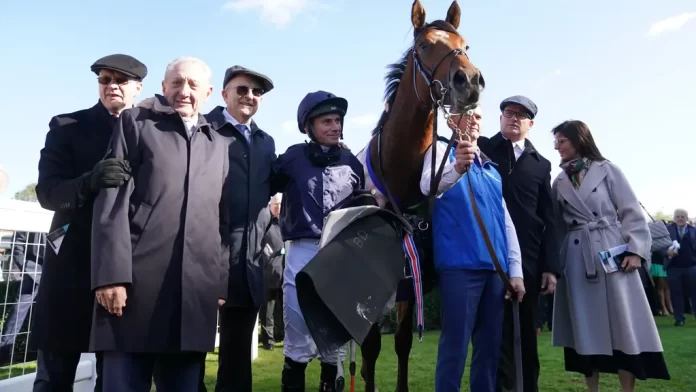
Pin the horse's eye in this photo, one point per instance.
(467, 48)
(423, 46)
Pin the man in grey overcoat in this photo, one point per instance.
(159, 262)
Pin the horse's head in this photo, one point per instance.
(442, 69)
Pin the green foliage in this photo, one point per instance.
(27, 194)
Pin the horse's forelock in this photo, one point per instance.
(396, 70)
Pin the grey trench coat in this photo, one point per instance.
(161, 235)
(611, 311)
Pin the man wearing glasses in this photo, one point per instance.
(526, 179)
(71, 174)
(251, 154)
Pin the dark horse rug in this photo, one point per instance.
(344, 289)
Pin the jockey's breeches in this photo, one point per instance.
(299, 345)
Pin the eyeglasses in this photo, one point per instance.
(520, 115)
(107, 80)
(558, 142)
(244, 90)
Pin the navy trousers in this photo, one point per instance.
(682, 282)
(126, 372)
(471, 307)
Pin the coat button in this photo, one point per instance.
(575, 222)
(576, 242)
(245, 155)
(594, 190)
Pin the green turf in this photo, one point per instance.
(679, 345)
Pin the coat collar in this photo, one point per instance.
(595, 175)
(217, 120)
(498, 140)
(158, 104)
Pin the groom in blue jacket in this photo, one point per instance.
(472, 294)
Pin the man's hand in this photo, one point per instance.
(221, 302)
(464, 156)
(112, 298)
(672, 252)
(548, 283)
(109, 173)
(518, 286)
(630, 263)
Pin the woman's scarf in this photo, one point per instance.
(575, 170)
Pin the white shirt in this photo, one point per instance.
(517, 147)
(233, 121)
(450, 177)
(191, 125)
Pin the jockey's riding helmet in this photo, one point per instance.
(319, 103)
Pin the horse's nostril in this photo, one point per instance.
(460, 79)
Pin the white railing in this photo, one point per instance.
(19, 282)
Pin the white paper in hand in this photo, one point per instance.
(55, 238)
(611, 258)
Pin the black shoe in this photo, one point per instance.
(679, 324)
(268, 346)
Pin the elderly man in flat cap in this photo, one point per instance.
(159, 253)
(71, 174)
(251, 154)
(526, 176)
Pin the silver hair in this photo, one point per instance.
(683, 211)
(194, 60)
(277, 197)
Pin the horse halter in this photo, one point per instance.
(438, 102)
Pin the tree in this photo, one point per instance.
(27, 194)
(661, 215)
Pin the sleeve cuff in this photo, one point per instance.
(515, 270)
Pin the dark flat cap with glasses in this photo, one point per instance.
(130, 67)
(530, 108)
(265, 82)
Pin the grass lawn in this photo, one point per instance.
(679, 345)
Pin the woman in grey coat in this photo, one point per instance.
(602, 319)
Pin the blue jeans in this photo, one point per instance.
(471, 307)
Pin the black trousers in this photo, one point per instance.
(55, 371)
(234, 357)
(530, 356)
(267, 315)
(126, 372)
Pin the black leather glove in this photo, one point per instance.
(109, 173)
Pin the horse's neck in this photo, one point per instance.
(406, 136)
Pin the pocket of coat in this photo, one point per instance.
(140, 218)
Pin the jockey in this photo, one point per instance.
(314, 177)
(471, 292)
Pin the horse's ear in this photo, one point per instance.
(453, 14)
(417, 15)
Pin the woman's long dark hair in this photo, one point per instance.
(579, 135)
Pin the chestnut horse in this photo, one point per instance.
(434, 72)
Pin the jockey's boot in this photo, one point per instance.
(327, 378)
(293, 378)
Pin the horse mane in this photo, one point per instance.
(396, 71)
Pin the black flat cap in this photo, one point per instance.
(122, 63)
(523, 101)
(235, 70)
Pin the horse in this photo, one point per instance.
(434, 70)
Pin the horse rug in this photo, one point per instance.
(351, 281)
